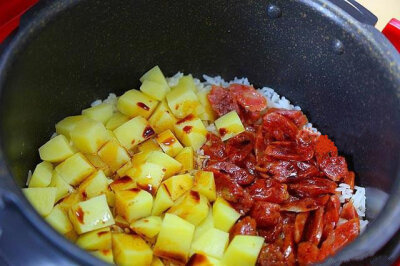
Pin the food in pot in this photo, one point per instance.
(197, 173)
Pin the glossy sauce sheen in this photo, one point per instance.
(143, 106)
(148, 132)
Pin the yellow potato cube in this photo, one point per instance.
(113, 155)
(209, 114)
(229, 125)
(63, 188)
(96, 161)
(148, 227)
(191, 132)
(56, 150)
(70, 200)
(186, 158)
(169, 143)
(90, 215)
(75, 169)
(94, 240)
(155, 74)
(204, 226)
(149, 145)
(96, 184)
(133, 132)
(105, 255)
(162, 118)
(187, 82)
(154, 90)
(243, 250)
(133, 204)
(102, 112)
(134, 103)
(41, 176)
(41, 198)
(58, 219)
(121, 222)
(156, 262)
(168, 163)
(162, 201)
(193, 207)
(174, 239)
(212, 243)
(140, 158)
(177, 185)
(224, 215)
(110, 196)
(131, 250)
(183, 101)
(66, 125)
(199, 259)
(71, 236)
(123, 183)
(204, 183)
(121, 172)
(148, 176)
(116, 120)
(89, 135)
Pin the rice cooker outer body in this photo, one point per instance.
(343, 74)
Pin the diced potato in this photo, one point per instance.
(133, 204)
(193, 207)
(66, 125)
(149, 145)
(174, 239)
(41, 198)
(169, 143)
(204, 226)
(41, 176)
(212, 243)
(56, 150)
(116, 120)
(199, 259)
(71, 236)
(91, 215)
(70, 200)
(105, 255)
(96, 161)
(113, 155)
(155, 74)
(177, 185)
(131, 250)
(243, 250)
(110, 196)
(168, 163)
(121, 172)
(94, 240)
(121, 222)
(123, 183)
(224, 215)
(63, 188)
(183, 101)
(209, 114)
(154, 90)
(187, 82)
(133, 132)
(96, 184)
(75, 169)
(102, 112)
(89, 135)
(134, 103)
(140, 158)
(156, 262)
(148, 176)
(229, 125)
(205, 184)
(162, 118)
(148, 227)
(162, 201)
(186, 158)
(58, 219)
(191, 132)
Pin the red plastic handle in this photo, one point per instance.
(392, 32)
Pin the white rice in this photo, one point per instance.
(28, 180)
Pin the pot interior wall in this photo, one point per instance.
(98, 47)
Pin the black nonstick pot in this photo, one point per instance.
(342, 72)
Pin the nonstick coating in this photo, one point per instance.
(344, 75)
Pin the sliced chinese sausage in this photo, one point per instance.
(246, 226)
(304, 205)
(268, 190)
(214, 147)
(307, 169)
(287, 150)
(294, 115)
(348, 211)
(350, 179)
(222, 101)
(299, 225)
(323, 147)
(244, 203)
(315, 227)
(334, 167)
(271, 254)
(265, 213)
(331, 216)
(282, 170)
(307, 253)
(279, 127)
(288, 243)
(271, 233)
(226, 188)
(240, 146)
(248, 97)
(237, 174)
(312, 187)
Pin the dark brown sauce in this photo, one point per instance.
(143, 106)
(222, 132)
(102, 233)
(197, 259)
(187, 129)
(136, 190)
(148, 132)
(84, 195)
(148, 187)
(178, 257)
(122, 180)
(105, 251)
(167, 190)
(80, 215)
(185, 119)
(169, 141)
(195, 195)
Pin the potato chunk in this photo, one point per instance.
(148, 176)
(148, 227)
(116, 120)
(58, 219)
(229, 125)
(174, 239)
(134, 103)
(104, 254)
(70, 201)
(56, 150)
(155, 74)
(186, 158)
(94, 240)
(131, 250)
(98, 163)
(41, 198)
(149, 145)
(156, 262)
(168, 163)
(113, 155)
(123, 183)
(91, 215)
(205, 184)
(182, 101)
(169, 143)
(89, 135)
(133, 204)
(204, 226)
(102, 112)
(212, 243)
(154, 90)
(162, 201)
(193, 207)
(75, 169)
(191, 132)
(177, 185)
(224, 215)
(62, 187)
(65, 126)
(133, 132)
(209, 114)
(162, 118)
(96, 184)
(42, 174)
(187, 82)
(243, 250)
(200, 259)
